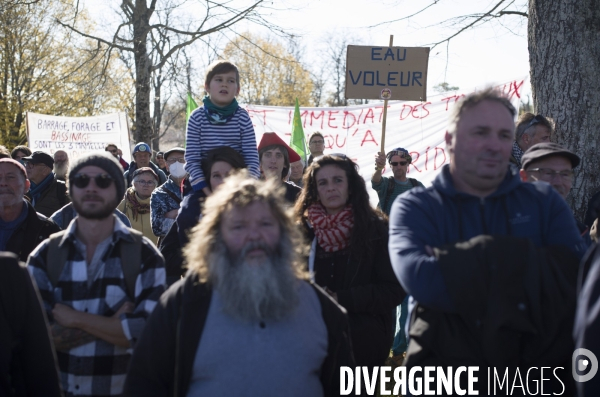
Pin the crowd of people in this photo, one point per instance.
(231, 267)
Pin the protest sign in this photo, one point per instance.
(77, 135)
(419, 127)
(393, 73)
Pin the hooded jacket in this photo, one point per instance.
(441, 215)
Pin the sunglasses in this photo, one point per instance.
(536, 120)
(82, 180)
(396, 163)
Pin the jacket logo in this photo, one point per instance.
(519, 219)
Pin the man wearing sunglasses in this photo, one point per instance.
(388, 188)
(99, 280)
(531, 129)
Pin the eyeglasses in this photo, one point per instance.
(82, 180)
(29, 164)
(548, 173)
(178, 160)
(146, 183)
(113, 151)
(316, 142)
(159, 158)
(396, 163)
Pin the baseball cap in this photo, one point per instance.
(40, 158)
(142, 147)
(547, 149)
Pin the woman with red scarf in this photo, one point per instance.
(349, 253)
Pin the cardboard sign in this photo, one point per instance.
(394, 73)
(77, 135)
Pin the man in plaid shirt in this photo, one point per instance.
(96, 314)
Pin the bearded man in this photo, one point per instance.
(243, 321)
(61, 165)
(99, 280)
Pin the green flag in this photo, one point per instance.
(191, 106)
(298, 141)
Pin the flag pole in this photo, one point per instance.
(385, 102)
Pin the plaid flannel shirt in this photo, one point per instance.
(98, 368)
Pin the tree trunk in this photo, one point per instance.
(157, 118)
(142, 130)
(564, 52)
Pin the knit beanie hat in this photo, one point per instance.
(16, 164)
(108, 163)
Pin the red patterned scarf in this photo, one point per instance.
(332, 231)
(132, 202)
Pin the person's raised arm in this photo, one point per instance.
(379, 165)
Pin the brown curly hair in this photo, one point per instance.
(358, 197)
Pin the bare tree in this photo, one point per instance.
(332, 72)
(154, 41)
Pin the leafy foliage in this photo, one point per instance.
(269, 74)
(46, 71)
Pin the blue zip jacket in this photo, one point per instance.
(441, 215)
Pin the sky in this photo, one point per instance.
(495, 52)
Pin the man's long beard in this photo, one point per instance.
(254, 292)
(61, 169)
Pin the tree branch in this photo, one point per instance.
(470, 25)
(523, 14)
(99, 39)
(406, 17)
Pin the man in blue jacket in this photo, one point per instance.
(475, 195)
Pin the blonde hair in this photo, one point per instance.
(239, 190)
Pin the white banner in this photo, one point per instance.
(77, 135)
(355, 131)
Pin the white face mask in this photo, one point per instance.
(176, 169)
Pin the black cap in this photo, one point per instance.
(40, 158)
(547, 149)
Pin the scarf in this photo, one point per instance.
(132, 202)
(517, 152)
(35, 191)
(332, 231)
(217, 114)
